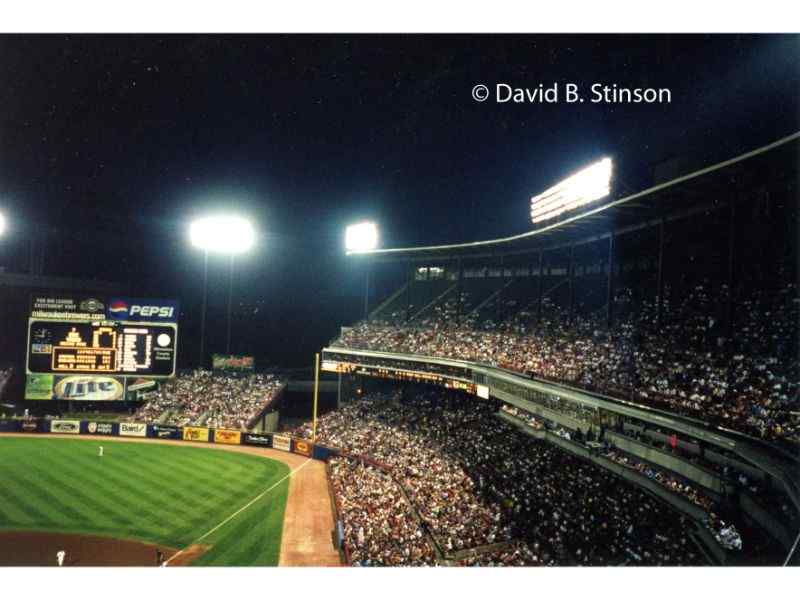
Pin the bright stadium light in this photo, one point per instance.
(222, 234)
(358, 238)
(587, 185)
(361, 237)
(2, 223)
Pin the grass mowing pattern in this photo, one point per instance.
(160, 493)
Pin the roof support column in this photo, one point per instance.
(458, 291)
(366, 294)
(570, 273)
(660, 291)
(541, 286)
(499, 310)
(731, 264)
(409, 279)
(610, 289)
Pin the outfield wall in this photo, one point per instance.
(106, 429)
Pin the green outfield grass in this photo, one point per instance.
(156, 493)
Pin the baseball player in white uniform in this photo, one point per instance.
(60, 557)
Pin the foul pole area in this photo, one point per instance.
(316, 395)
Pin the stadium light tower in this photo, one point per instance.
(587, 185)
(220, 234)
(361, 238)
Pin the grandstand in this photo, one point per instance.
(654, 336)
(212, 399)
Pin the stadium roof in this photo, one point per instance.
(677, 198)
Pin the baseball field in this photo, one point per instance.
(196, 505)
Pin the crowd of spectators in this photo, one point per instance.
(388, 432)
(662, 477)
(478, 482)
(380, 527)
(684, 447)
(211, 399)
(748, 380)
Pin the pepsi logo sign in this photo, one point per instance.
(123, 309)
(152, 311)
(118, 308)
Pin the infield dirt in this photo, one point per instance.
(35, 548)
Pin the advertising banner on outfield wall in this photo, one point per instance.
(195, 434)
(227, 436)
(31, 426)
(281, 442)
(94, 428)
(302, 447)
(257, 439)
(9, 425)
(59, 426)
(133, 429)
(321, 452)
(164, 432)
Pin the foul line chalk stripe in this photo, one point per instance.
(256, 499)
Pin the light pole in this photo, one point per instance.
(2, 225)
(203, 312)
(361, 238)
(230, 307)
(220, 234)
(366, 294)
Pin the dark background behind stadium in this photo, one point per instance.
(110, 144)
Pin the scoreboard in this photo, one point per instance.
(102, 348)
(83, 347)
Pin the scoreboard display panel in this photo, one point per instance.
(102, 347)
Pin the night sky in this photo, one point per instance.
(112, 143)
